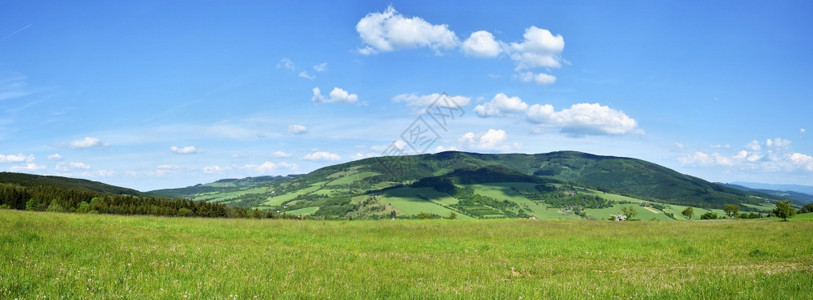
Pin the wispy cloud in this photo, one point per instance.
(12, 85)
(15, 32)
(87, 142)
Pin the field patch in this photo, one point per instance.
(413, 201)
(303, 211)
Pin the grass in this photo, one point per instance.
(407, 201)
(504, 191)
(303, 211)
(99, 256)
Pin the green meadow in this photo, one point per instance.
(58, 255)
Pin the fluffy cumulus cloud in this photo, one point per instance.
(538, 78)
(482, 44)
(579, 120)
(55, 156)
(389, 30)
(492, 139)
(184, 150)
(322, 156)
(337, 95)
(424, 101)
(500, 106)
(584, 119)
(87, 142)
(297, 129)
(16, 158)
(540, 48)
(802, 160)
(773, 155)
(777, 143)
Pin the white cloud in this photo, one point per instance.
(101, 173)
(297, 129)
(322, 156)
(163, 169)
(802, 131)
(306, 75)
(482, 44)
(753, 146)
(12, 86)
(802, 160)
(704, 159)
(184, 150)
(337, 95)
(286, 63)
(213, 169)
(55, 156)
(269, 166)
(776, 156)
(584, 119)
(777, 143)
(389, 30)
(442, 148)
(539, 78)
(540, 48)
(87, 142)
(424, 101)
(320, 67)
(280, 154)
(500, 106)
(489, 140)
(28, 167)
(16, 158)
(64, 167)
(360, 155)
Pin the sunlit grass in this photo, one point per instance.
(98, 256)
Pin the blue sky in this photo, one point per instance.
(158, 94)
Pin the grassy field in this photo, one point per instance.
(100, 256)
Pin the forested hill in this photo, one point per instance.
(28, 180)
(620, 175)
(61, 194)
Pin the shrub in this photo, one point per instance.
(709, 216)
(184, 212)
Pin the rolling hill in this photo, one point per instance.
(797, 197)
(565, 184)
(28, 180)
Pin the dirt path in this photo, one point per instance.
(652, 209)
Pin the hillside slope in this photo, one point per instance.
(28, 180)
(554, 185)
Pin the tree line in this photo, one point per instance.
(56, 199)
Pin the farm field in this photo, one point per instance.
(102, 256)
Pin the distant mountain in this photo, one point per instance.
(805, 189)
(28, 180)
(220, 186)
(797, 197)
(481, 186)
